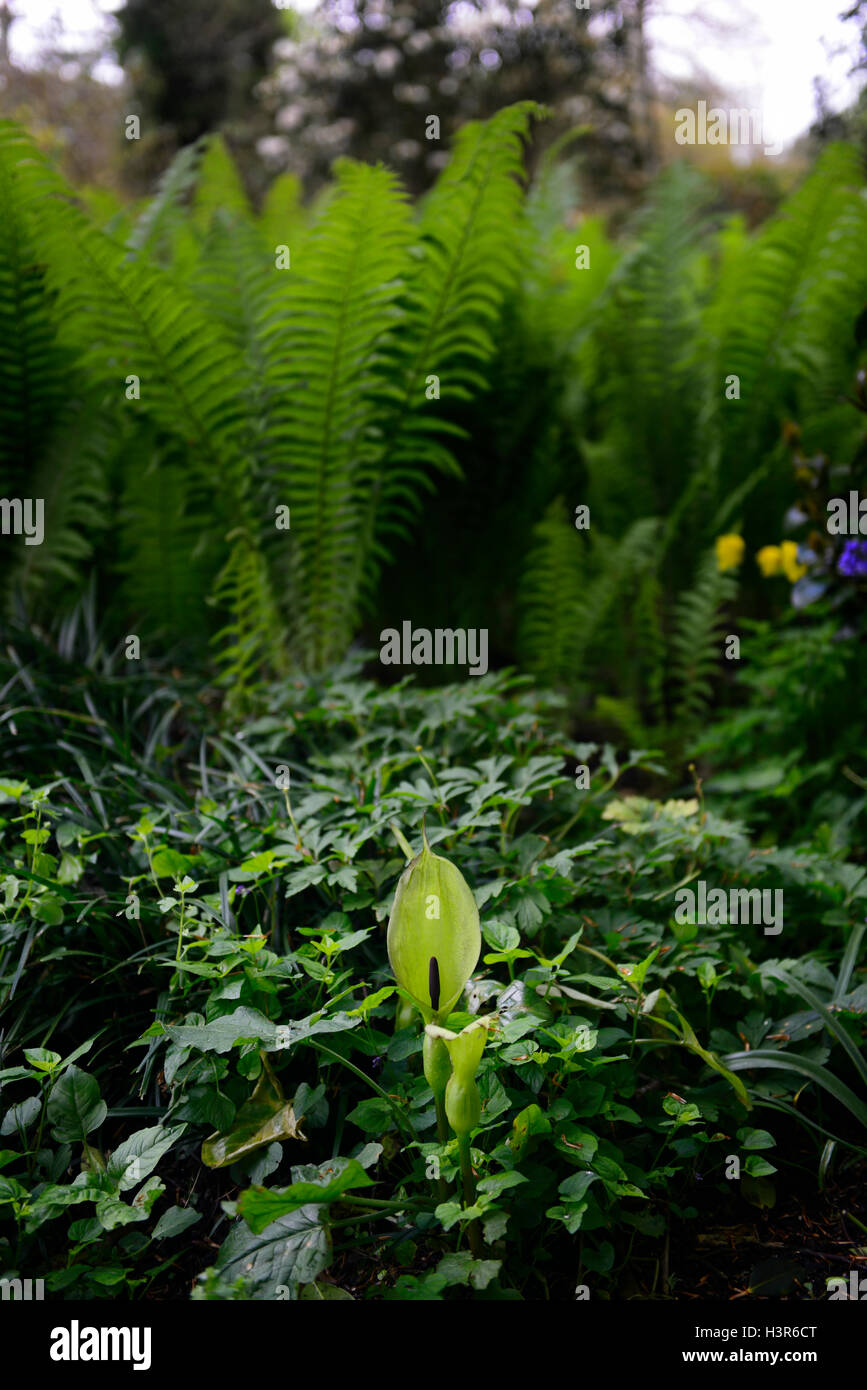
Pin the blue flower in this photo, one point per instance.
(853, 562)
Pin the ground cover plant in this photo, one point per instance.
(213, 1082)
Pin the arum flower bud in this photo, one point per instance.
(434, 939)
(437, 1065)
(463, 1101)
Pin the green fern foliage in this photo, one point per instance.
(698, 640)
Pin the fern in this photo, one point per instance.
(253, 640)
(572, 587)
(696, 643)
(469, 259)
(163, 549)
(551, 594)
(124, 316)
(163, 221)
(785, 302)
(34, 371)
(343, 300)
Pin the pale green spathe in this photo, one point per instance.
(434, 916)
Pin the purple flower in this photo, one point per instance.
(853, 562)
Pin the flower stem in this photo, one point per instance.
(443, 1136)
(474, 1230)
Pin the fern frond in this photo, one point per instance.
(551, 598)
(35, 372)
(126, 317)
(218, 186)
(696, 642)
(156, 229)
(342, 299)
(70, 481)
(252, 643)
(644, 361)
(469, 260)
(164, 556)
(785, 300)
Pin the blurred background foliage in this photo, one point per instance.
(563, 377)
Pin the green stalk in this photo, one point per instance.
(474, 1230)
(443, 1136)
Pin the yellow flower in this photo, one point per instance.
(789, 562)
(729, 552)
(769, 560)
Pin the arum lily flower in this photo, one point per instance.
(434, 938)
(463, 1103)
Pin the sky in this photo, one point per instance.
(764, 53)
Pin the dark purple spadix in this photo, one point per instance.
(434, 983)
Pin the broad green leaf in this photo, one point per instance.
(175, 1221)
(75, 1107)
(221, 1034)
(293, 1250)
(500, 936)
(137, 1156)
(41, 1058)
(259, 1206)
(528, 1123)
(375, 1115)
(461, 1268)
(321, 1292)
(266, 1117)
(170, 863)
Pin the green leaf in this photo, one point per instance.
(767, 1059)
(461, 1268)
(374, 1115)
(39, 1057)
(372, 1001)
(528, 1123)
(48, 909)
(756, 1139)
(293, 1250)
(574, 1187)
(267, 1116)
(170, 863)
(322, 1292)
(221, 1034)
(500, 936)
(55, 1199)
(835, 1028)
(259, 1206)
(175, 1221)
(137, 1156)
(75, 1107)
(758, 1167)
(571, 1216)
